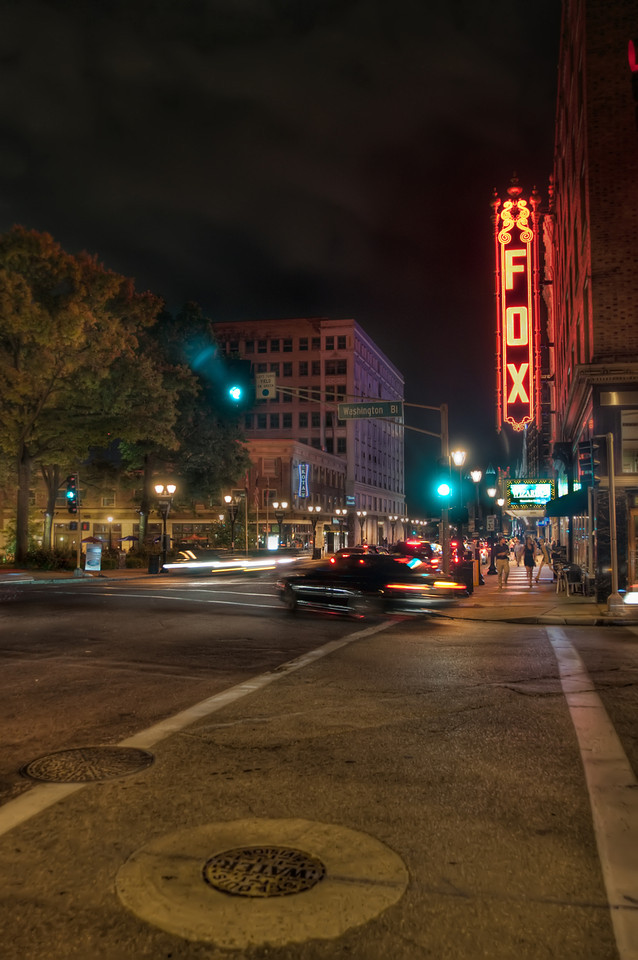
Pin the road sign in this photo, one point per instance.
(370, 409)
(490, 524)
(265, 386)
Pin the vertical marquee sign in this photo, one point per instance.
(517, 328)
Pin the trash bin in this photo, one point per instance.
(154, 563)
(466, 575)
(316, 553)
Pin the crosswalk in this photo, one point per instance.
(518, 583)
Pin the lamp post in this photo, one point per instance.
(393, 522)
(458, 459)
(110, 523)
(361, 514)
(232, 508)
(490, 479)
(278, 510)
(342, 515)
(314, 516)
(477, 476)
(165, 493)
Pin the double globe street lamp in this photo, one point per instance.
(232, 508)
(342, 517)
(314, 517)
(361, 515)
(165, 494)
(279, 508)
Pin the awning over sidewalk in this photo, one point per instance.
(571, 505)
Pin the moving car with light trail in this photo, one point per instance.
(369, 584)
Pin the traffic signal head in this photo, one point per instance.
(444, 489)
(72, 493)
(238, 389)
(589, 462)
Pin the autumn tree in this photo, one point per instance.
(72, 372)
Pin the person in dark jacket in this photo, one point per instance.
(502, 561)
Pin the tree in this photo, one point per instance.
(73, 376)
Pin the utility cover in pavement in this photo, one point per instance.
(164, 884)
(263, 871)
(88, 764)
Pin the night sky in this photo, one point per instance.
(282, 158)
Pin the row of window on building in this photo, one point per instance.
(331, 368)
(285, 344)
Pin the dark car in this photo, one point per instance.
(361, 584)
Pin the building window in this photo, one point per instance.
(286, 397)
(315, 442)
(303, 396)
(316, 395)
(315, 343)
(108, 500)
(341, 444)
(288, 345)
(329, 445)
(341, 391)
(286, 421)
(248, 421)
(261, 421)
(274, 346)
(316, 368)
(274, 368)
(341, 343)
(315, 420)
(262, 346)
(303, 420)
(333, 367)
(329, 419)
(261, 367)
(303, 343)
(233, 346)
(287, 368)
(274, 421)
(303, 368)
(629, 434)
(250, 346)
(330, 343)
(330, 394)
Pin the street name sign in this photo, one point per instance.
(370, 409)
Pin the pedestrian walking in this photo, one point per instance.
(530, 552)
(518, 552)
(545, 559)
(502, 560)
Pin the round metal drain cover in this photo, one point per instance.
(263, 871)
(87, 764)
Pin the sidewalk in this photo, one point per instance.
(515, 603)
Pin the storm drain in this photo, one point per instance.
(263, 871)
(87, 764)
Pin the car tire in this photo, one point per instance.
(359, 606)
(290, 600)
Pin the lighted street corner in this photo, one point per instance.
(426, 771)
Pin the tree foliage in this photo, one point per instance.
(72, 372)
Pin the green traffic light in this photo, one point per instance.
(444, 489)
(235, 392)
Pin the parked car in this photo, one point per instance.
(363, 548)
(365, 583)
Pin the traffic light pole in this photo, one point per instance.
(615, 602)
(445, 456)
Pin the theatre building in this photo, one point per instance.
(301, 452)
(590, 286)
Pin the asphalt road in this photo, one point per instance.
(437, 757)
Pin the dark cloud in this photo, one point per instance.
(289, 158)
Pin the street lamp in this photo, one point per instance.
(491, 492)
(477, 476)
(233, 508)
(110, 523)
(164, 494)
(458, 459)
(314, 517)
(361, 514)
(342, 515)
(393, 521)
(278, 510)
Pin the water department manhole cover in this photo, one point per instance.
(87, 764)
(263, 871)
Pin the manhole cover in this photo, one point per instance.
(263, 871)
(86, 764)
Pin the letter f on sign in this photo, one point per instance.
(511, 267)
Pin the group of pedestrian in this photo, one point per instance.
(527, 552)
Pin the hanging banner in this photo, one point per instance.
(303, 487)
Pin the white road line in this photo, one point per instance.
(613, 792)
(160, 596)
(18, 811)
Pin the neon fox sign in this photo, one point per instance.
(517, 310)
